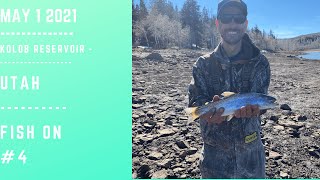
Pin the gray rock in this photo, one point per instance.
(314, 152)
(155, 156)
(193, 158)
(137, 101)
(302, 118)
(151, 113)
(135, 58)
(163, 108)
(135, 116)
(183, 118)
(285, 107)
(179, 108)
(294, 133)
(165, 99)
(168, 122)
(136, 106)
(137, 89)
(142, 138)
(177, 170)
(155, 56)
(291, 124)
(135, 161)
(177, 125)
(170, 116)
(192, 151)
(287, 112)
(166, 163)
(182, 144)
(148, 126)
(183, 154)
(274, 155)
(142, 99)
(144, 171)
(166, 132)
(278, 128)
(183, 176)
(274, 118)
(162, 174)
(284, 174)
(184, 131)
(153, 100)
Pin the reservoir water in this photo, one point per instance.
(311, 55)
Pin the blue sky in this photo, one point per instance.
(286, 18)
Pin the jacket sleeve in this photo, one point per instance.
(262, 77)
(198, 90)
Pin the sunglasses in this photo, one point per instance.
(237, 18)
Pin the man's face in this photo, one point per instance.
(231, 32)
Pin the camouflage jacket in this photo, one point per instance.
(232, 149)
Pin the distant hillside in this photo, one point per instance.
(303, 42)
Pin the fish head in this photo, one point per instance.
(271, 99)
(270, 102)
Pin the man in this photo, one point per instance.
(232, 149)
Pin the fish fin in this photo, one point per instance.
(229, 117)
(192, 114)
(227, 94)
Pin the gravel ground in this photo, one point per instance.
(163, 146)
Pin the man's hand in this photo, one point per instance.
(247, 111)
(214, 117)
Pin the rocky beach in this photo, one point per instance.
(164, 146)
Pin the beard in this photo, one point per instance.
(232, 36)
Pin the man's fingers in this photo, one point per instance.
(249, 110)
(213, 111)
(216, 98)
(219, 112)
(243, 111)
(216, 117)
(219, 120)
(255, 110)
(207, 116)
(237, 114)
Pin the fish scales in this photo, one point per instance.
(233, 103)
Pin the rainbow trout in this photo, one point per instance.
(232, 102)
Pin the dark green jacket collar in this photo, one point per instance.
(249, 51)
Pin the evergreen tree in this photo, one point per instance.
(271, 34)
(135, 13)
(159, 6)
(164, 8)
(176, 13)
(135, 16)
(205, 15)
(170, 12)
(256, 31)
(143, 12)
(190, 17)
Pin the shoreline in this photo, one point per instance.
(311, 50)
(299, 54)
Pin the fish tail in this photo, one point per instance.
(192, 113)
